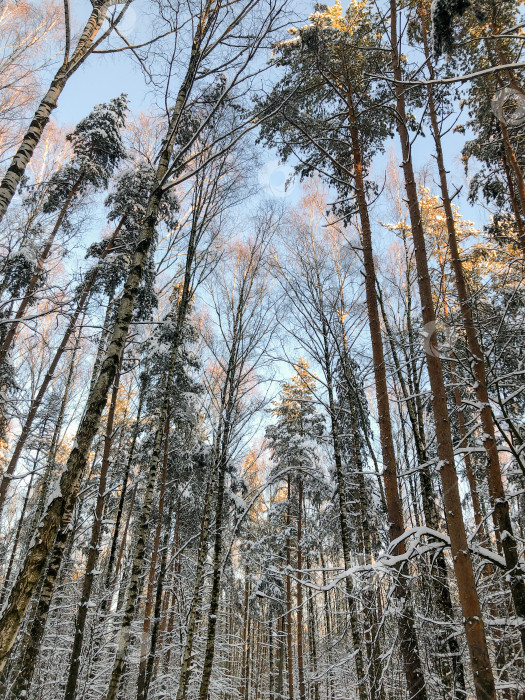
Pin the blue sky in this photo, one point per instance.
(105, 76)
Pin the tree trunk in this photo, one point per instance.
(191, 624)
(343, 523)
(47, 477)
(14, 324)
(113, 559)
(280, 671)
(138, 557)
(514, 165)
(49, 102)
(312, 643)
(218, 477)
(170, 620)
(60, 508)
(16, 540)
(216, 579)
(474, 627)
(141, 682)
(409, 645)
(33, 638)
(92, 558)
(343, 505)
(499, 503)
(469, 469)
(326, 607)
(248, 661)
(271, 667)
(371, 596)
(300, 652)
(36, 402)
(429, 498)
(157, 609)
(289, 637)
(228, 403)
(515, 206)
(243, 690)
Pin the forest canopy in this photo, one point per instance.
(262, 372)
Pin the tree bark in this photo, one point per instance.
(92, 558)
(343, 524)
(15, 323)
(312, 642)
(149, 673)
(499, 502)
(299, 585)
(409, 644)
(33, 638)
(16, 539)
(289, 636)
(138, 557)
(215, 592)
(191, 624)
(141, 682)
(49, 102)
(36, 402)
(429, 498)
(59, 511)
(243, 690)
(514, 203)
(474, 627)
